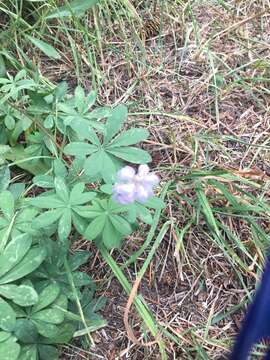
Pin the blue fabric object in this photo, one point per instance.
(256, 325)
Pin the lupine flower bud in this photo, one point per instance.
(132, 187)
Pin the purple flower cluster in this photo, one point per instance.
(132, 186)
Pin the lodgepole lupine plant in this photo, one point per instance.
(77, 185)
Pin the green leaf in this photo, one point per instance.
(155, 203)
(26, 331)
(47, 218)
(111, 237)
(61, 189)
(44, 181)
(22, 295)
(7, 316)
(130, 137)
(120, 224)
(14, 252)
(131, 154)
(46, 202)
(47, 297)
(95, 227)
(47, 330)
(9, 350)
(64, 225)
(77, 7)
(115, 122)
(108, 169)
(46, 48)
(94, 163)
(29, 263)
(4, 336)
(79, 258)
(7, 204)
(9, 122)
(47, 352)
(64, 335)
(28, 352)
(4, 177)
(79, 149)
(53, 316)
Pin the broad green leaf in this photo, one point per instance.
(9, 350)
(144, 214)
(79, 223)
(46, 329)
(29, 263)
(94, 163)
(61, 189)
(14, 252)
(92, 136)
(53, 316)
(22, 295)
(120, 224)
(7, 203)
(95, 227)
(80, 149)
(46, 48)
(46, 202)
(130, 137)
(47, 297)
(81, 279)
(64, 335)
(4, 177)
(115, 122)
(47, 352)
(4, 336)
(64, 225)
(79, 258)
(44, 181)
(7, 316)
(47, 218)
(155, 203)
(26, 331)
(9, 122)
(111, 237)
(131, 154)
(77, 197)
(79, 96)
(77, 7)
(28, 352)
(108, 169)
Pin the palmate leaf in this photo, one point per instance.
(28, 264)
(10, 349)
(104, 159)
(22, 295)
(7, 316)
(109, 223)
(64, 205)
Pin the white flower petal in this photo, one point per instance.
(126, 173)
(143, 170)
(151, 179)
(142, 194)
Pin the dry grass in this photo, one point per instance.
(201, 86)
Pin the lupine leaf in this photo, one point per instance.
(47, 297)
(131, 154)
(9, 350)
(130, 137)
(22, 295)
(29, 263)
(115, 122)
(95, 227)
(7, 316)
